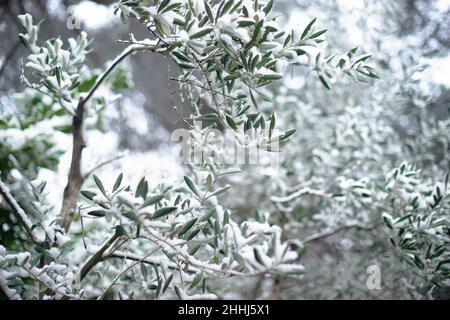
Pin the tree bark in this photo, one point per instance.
(76, 179)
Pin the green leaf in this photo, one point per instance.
(178, 292)
(202, 33)
(118, 182)
(24, 41)
(44, 252)
(58, 75)
(192, 235)
(268, 7)
(217, 228)
(418, 262)
(98, 213)
(324, 82)
(209, 11)
(142, 189)
(187, 227)
(226, 218)
(181, 56)
(231, 122)
(447, 176)
(258, 257)
(99, 184)
(287, 134)
(191, 185)
(388, 223)
(120, 231)
(167, 283)
(363, 58)
(252, 97)
(226, 7)
(219, 191)
(308, 28)
(196, 280)
(270, 77)
(442, 263)
(144, 271)
(163, 212)
(257, 31)
(88, 194)
(208, 215)
(162, 5)
(195, 249)
(245, 22)
(169, 8)
(239, 259)
(318, 34)
(152, 200)
(272, 125)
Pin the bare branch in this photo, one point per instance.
(128, 51)
(193, 83)
(155, 262)
(102, 164)
(76, 178)
(125, 271)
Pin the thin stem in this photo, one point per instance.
(96, 257)
(326, 234)
(132, 257)
(18, 212)
(201, 87)
(298, 194)
(128, 51)
(102, 164)
(125, 271)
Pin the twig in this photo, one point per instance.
(328, 233)
(210, 86)
(125, 53)
(82, 230)
(125, 271)
(156, 262)
(18, 212)
(160, 241)
(202, 87)
(96, 257)
(102, 164)
(298, 194)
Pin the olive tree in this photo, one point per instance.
(173, 239)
